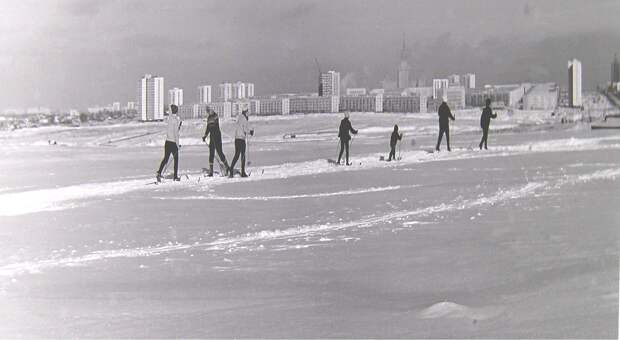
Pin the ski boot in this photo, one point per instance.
(158, 177)
(210, 172)
(176, 179)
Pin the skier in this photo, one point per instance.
(444, 124)
(172, 142)
(241, 133)
(345, 137)
(215, 141)
(393, 140)
(485, 121)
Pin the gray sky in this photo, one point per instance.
(77, 53)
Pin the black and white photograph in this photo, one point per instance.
(309, 169)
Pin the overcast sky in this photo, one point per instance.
(84, 52)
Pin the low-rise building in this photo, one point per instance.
(358, 103)
(405, 104)
(432, 104)
(360, 91)
(455, 97)
(322, 104)
(506, 95)
(426, 91)
(186, 111)
(223, 109)
(541, 97)
(191, 111)
(273, 106)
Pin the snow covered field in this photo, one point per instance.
(517, 241)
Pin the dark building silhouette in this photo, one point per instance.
(404, 70)
(615, 70)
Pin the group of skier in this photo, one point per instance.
(445, 115)
(243, 130)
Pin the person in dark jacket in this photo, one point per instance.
(345, 137)
(393, 140)
(215, 141)
(444, 124)
(485, 121)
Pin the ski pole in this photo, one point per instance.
(247, 151)
(338, 147)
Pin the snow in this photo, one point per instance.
(516, 241)
(25, 202)
(448, 309)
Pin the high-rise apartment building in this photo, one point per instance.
(438, 86)
(468, 81)
(175, 96)
(204, 94)
(574, 83)
(225, 92)
(238, 90)
(243, 90)
(454, 80)
(330, 84)
(151, 98)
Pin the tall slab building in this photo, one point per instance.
(330, 84)
(204, 94)
(574, 83)
(151, 98)
(175, 96)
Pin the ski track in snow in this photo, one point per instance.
(451, 310)
(286, 197)
(53, 199)
(249, 241)
(26, 202)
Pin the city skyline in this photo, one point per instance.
(50, 62)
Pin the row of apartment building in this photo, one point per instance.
(283, 105)
(414, 103)
(408, 100)
(152, 96)
(411, 100)
(227, 92)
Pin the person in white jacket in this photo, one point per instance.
(172, 142)
(241, 133)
